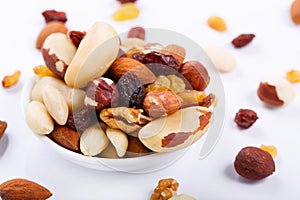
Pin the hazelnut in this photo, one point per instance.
(99, 93)
(254, 163)
(196, 74)
(158, 104)
(275, 91)
(58, 51)
(295, 11)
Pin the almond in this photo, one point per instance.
(51, 27)
(124, 64)
(23, 189)
(66, 137)
(3, 126)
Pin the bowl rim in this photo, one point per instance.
(194, 52)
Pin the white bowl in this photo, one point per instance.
(155, 161)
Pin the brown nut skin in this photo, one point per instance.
(158, 104)
(295, 12)
(254, 163)
(51, 27)
(268, 94)
(66, 137)
(196, 74)
(242, 40)
(99, 93)
(123, 65)
(76, 37)
(3, 126)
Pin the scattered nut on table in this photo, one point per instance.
(167, 190)
(20, 188)
(223, 60)
(254, 163)
(275, 91)
(295, 11)
(3, 126)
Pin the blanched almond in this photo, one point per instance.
(93, 140)
(38, 118)
(119, 139)
(74, 97)
(56, 104)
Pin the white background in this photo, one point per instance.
(274, 51)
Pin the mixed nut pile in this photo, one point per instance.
(95, 95)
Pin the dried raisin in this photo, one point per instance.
(130, 91)
(245, 118)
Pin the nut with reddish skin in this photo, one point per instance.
(275, 91)
(76, 37)
(51, 27)
(158, 104)
(3, 126)
(66, 137)
(245, 118)
(24, 189)
(242, 40)
(123, 65)
(254, 163)
(137, 32)
(196, 74)
(53, 15)
(295, 11)
(99, 93)
(58, 51)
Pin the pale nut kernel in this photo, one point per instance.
(223, 60)
(74, 97)
(96, 52)
(58, 51)
(38, 119)
(56, 104)
(50, 27)
(176, 131)
(275, 91)
(118, 139)
(295, 11)
(93, 140)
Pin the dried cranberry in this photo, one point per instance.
(245, 118)
(137, 32)
(53, 15)
(158, 58)
(242, 40)
(130, 91)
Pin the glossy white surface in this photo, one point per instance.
(273, 52)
